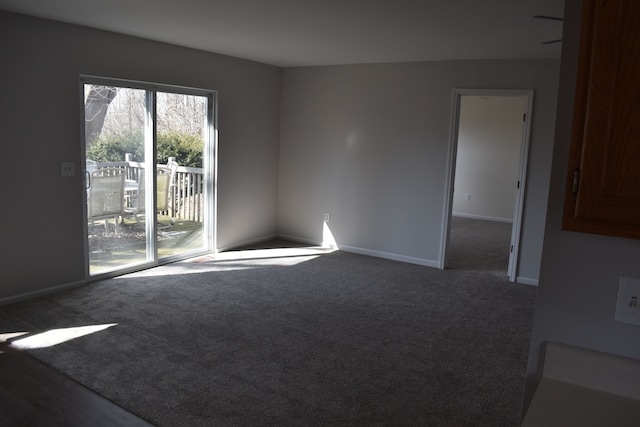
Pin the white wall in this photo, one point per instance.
(41, 214)
(368, 144)
(488, 160)
(580, 272)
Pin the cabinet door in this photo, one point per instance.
(603, 182)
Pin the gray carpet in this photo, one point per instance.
(333, 339)
(479, 245)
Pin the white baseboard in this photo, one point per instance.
(526, 281)
(391, 256)
(41, 292)
(369, 252)
(487, 218)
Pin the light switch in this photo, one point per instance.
(628, 302)
(67, 169)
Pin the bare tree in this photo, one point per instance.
(180, 113)
(108, 116)
(95, 110)
(126, 113)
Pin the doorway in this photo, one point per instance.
(149, 156)
(488, 153)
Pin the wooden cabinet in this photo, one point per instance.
(603, 180)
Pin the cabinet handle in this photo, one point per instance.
(576, 180)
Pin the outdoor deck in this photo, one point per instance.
(119, 241)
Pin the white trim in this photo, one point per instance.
(486, 218)
(147, 86)
(150, 153)
(391, 256)
(451, 167)
(211, 167)
(83, 171)
(450, 177)
(522, 177)
(527, 281)
(42, 292)
(369, 252)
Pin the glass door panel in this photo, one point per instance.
(116, 123)
(150, 168)
(181, 132)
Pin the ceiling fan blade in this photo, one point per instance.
(552, 41)
(553, 18)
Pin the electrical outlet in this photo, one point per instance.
(467, 196)
(326, 217)
(628, 304)
(67, 169)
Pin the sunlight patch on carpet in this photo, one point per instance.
(57, 336)
(272, 253)
(236, 260)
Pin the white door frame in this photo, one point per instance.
(522, 173)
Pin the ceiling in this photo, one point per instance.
(324, 32)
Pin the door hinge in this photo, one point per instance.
(518, 185)
(511, 249)
(524, 117)
(576, 181)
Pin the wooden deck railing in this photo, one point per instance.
(187, 194)
(186, 191)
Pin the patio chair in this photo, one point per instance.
(164, 180)
(136, 206)
(106, 196)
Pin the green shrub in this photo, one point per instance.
(113, 148)
(187, 149)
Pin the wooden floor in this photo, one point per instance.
(33, 394)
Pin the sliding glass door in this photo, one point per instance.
(180, 136)
(149, 174)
